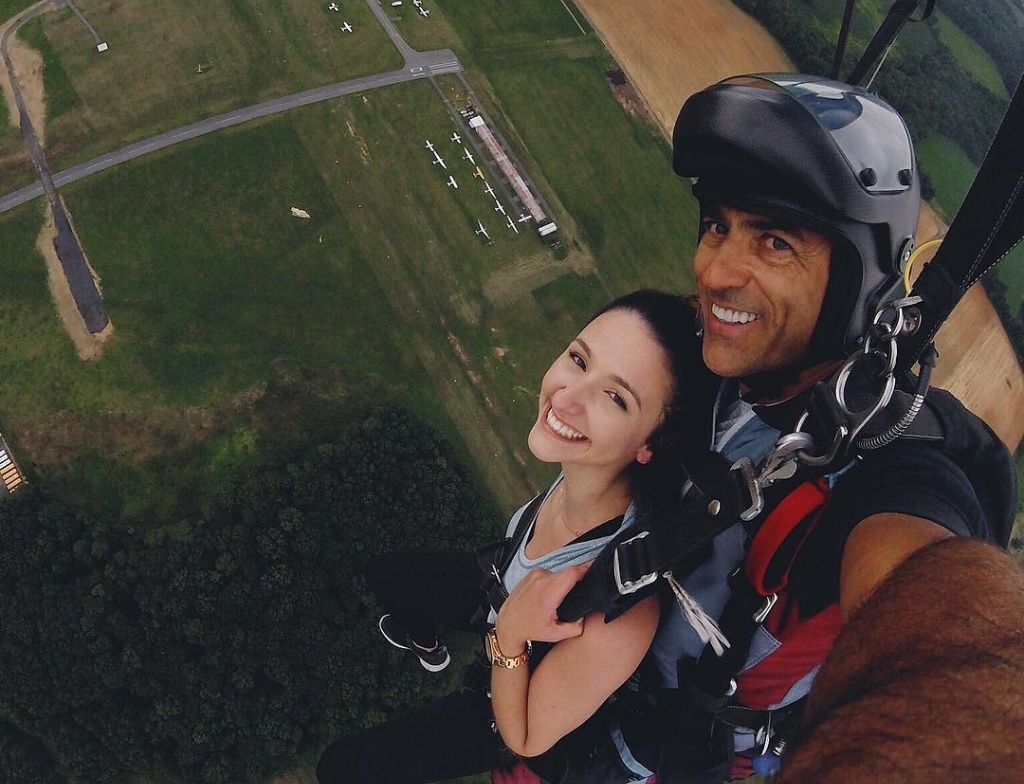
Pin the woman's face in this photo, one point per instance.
(602, 398)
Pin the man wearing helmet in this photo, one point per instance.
(809, 201)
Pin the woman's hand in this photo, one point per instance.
(531, 610)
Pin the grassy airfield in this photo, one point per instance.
(241, 331)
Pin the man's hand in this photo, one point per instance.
(925, 682)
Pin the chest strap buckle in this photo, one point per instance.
(630, 586)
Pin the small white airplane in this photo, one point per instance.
(430, 145)
(424, 12)
(451, 182)
(469, 156)
(456, 138)
(334, 7)
(478, 174)
(439, 160)
(482, 230)
(488, 190)
(417, 3)
(525, 218)
(346, 27)
(500, 208)
(512, 225)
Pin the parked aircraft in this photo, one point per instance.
(469, 156)
(417, 3)
(488, 190)
(347, 27)
(437, 158)
(499, 208)
(525, 217)
(482, 230)
(512, 225)
(424, 12)
(456, 138)
(334, 7)
(451, 182)
(478, 174)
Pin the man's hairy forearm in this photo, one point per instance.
(926, 681)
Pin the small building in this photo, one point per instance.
(10, 475)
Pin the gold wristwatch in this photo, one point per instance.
(497, 658)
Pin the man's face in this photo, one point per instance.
(761, 283)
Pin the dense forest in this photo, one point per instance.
(921, 77)
(226, 648)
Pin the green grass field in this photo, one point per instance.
(149, 79)
(971, 56)
(213, 287)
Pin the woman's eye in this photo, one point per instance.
(578, 360)
(618, 400)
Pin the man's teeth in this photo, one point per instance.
(732, 316)
(563, 429)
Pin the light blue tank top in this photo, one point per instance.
(573, 553)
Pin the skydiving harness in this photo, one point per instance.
(856, 410)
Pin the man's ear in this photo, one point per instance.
(644, 455)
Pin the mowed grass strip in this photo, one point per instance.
(449, 289)
(170, 64)
(612, 171)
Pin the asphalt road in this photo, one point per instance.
(418, 65)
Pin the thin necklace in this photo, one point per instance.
(562, 517)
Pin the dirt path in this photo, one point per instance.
(28, 67)
(28, 71)
(87, 345)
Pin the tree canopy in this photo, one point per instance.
(242, 641)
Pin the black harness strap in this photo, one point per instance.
(988, 225)
(627, 569)
(495, 558)
(894, 21)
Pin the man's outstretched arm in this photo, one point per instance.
(926, 681)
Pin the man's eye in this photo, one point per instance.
(777, 243)
(711, 225)
(578, 360)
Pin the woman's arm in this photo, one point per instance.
(591, 659)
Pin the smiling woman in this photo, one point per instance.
(608, 414)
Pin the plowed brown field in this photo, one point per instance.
(671, 48)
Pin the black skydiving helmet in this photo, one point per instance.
(824, 154)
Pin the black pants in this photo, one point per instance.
(422, 588)
(450, 737)
(447, 738)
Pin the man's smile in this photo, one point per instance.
(730, 316)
